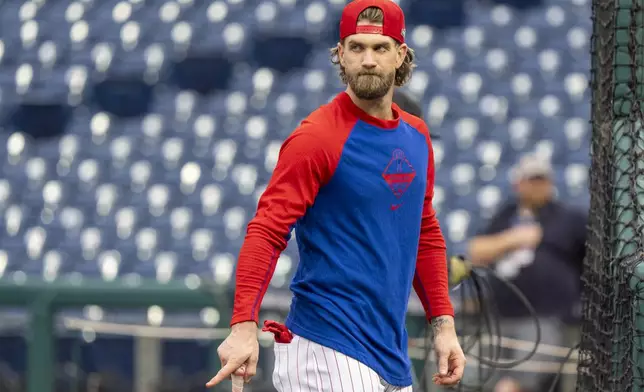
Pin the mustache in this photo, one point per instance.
(368, 74)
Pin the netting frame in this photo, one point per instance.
(610, 357)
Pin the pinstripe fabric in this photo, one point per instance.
(305, 366)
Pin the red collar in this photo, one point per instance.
(345, 101)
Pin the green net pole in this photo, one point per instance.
(607, 360)
(628, 195)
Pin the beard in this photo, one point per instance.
(370, 86)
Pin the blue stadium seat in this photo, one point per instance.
(440, 14)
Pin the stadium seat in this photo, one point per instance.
(437, 14)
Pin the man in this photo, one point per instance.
(538, 243)
(355, 180)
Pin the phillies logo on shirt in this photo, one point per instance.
(398, 174)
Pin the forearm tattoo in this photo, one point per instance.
(438, 323)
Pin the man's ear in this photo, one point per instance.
(341, 53)
(402, 54)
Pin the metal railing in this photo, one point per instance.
(43, 300)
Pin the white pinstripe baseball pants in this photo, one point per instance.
(305, 366)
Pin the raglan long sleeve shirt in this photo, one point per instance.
(358, 191)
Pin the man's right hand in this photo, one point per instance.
(240, 348)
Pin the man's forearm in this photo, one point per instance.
(431, 283)
(255, 267)
(484, 250)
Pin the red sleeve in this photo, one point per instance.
(304, 165)
(430, 279)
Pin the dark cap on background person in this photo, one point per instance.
(408, 104)
(412, 106)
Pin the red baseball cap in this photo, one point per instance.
(393, 22)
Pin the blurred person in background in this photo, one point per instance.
(537, 243)
(412, 106)
(407, 103)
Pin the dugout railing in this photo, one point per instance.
(43, 300)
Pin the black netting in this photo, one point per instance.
(610, 357)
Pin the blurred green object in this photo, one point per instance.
(44, 299)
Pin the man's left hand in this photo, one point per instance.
(449, 355)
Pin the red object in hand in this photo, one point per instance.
(279, 331)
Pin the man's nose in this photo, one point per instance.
(368, 61)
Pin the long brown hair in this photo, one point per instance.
(403, 73)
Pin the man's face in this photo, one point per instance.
(535, 191)
(370, 62)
